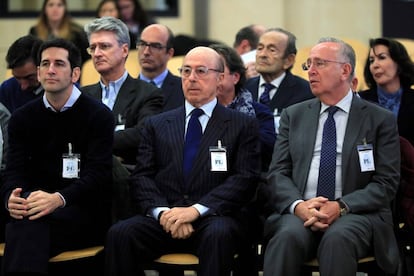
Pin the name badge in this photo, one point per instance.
(218, 157)
(70, 164)
(366, 157)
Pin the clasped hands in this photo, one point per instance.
(177, 221)
(318, 213)
(36, 205)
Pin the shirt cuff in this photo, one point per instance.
(293, 206)
(63, 199)
(201, 209)
(156, 211)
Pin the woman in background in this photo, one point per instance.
(134, 16)
(389, 74)
(54, 21)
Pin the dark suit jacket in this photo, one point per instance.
(158, 177)
(173, 92)
(136, 100)
(405, 114)
(366, 193)
(292, 89)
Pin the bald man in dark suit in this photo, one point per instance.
(200, 211)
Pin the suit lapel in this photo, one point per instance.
(125, 96)
(353, 128)
(175, 125)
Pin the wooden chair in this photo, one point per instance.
(71, 256)
(367, 265)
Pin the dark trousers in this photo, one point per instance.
(138, 240)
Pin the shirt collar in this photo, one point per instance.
(207, 108)
(276, 82)
(344, 104)
(117, 83)
(158, 79)
(69, 103)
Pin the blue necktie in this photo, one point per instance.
(192, 141)
(327, 167)
(265, 97)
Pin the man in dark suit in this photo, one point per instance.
(354, 218)
(155, 48)
(198, 210)
(275, 57)
(130, 100)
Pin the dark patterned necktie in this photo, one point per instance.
(192, 140)
(265, 97)
(327, 167)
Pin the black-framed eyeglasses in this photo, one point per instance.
(200, 71)
(318, 63)
(102, 46)
(141, 45)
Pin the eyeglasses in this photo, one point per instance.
(102, 46)
(152, 46)
(318, 63)
(200, 71)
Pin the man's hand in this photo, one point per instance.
(309, 212)
(174, 219)
(17, 205)
(40, 203)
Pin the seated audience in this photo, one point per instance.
(58, 169)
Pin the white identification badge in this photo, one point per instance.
(366, 157)
(218, 156)
(70, 164)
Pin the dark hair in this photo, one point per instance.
(23, 50)
(74, 56)
(233, 61)
(399, 55)
(98, 9)
(140, 15)
(249, 34)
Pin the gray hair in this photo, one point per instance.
(109, 24)
(346, 51)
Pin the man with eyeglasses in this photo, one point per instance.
(276, 86)
(334, 173)
(130, 100)
(198, 167)
(155, 49)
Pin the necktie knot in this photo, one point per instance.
(197, 112)
(265, 97)
(332, 110)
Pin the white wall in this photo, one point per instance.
(307, 19)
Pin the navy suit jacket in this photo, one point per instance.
(367, 194)
(158, 177)
(405, 114)
(173, 92)
(136, 100)
(292, 89)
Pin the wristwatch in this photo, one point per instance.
(343, 209)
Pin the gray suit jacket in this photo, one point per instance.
(366, 193)
(136, 100)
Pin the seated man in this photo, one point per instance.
(334, 173)
(191, 190)
(59, 167)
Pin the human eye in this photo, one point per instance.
(92, 48)
(60, 64)
(319, 63)
(156, 46)
(201, 71)
(186, 71)
(44, 63)
(105, 46)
